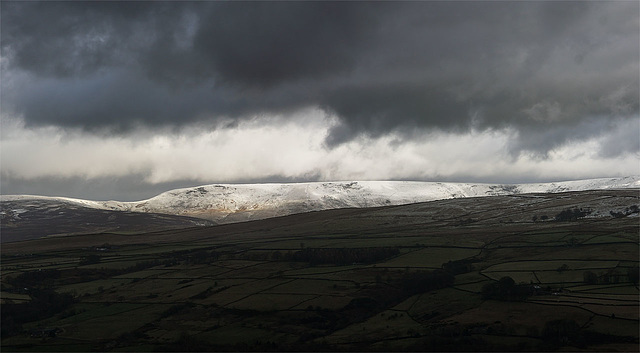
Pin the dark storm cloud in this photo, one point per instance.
(266, 43)
(122, 99)
(378, 109)
(537, 67)
(75, 38)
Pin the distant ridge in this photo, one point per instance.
(228, 203)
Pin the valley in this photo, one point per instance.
(525, 272)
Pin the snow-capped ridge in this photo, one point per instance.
(237, 202)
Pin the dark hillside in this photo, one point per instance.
(32, 219)
(507, 273)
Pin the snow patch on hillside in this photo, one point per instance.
(238, 202)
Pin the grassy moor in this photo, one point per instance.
(527, 272)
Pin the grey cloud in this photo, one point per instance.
(266, 43)
(537, 67)
(119, 100)
(380, 109)
(250, 43)
(125, 188)
(615, 137)
(65, 38)
(623, 139)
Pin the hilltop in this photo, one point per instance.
(230, 203)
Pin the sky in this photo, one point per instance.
(124, 100)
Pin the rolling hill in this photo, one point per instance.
(524, 272)
(230, 203)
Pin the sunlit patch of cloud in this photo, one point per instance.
(295, 148)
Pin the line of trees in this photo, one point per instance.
(44, 303)
(458, 267)
(506, 289)
(341, 256)
(632, 274)
(572, 214)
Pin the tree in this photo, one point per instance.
(507, 282)
(89, 260)
(563, 332)
(276, 255)
(633, 273)
(505, 289)
(571, 214)
(590, 277)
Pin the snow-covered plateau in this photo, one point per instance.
(228, 203)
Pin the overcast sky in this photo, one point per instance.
(123, 100)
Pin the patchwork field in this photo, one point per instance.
(483, 274)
